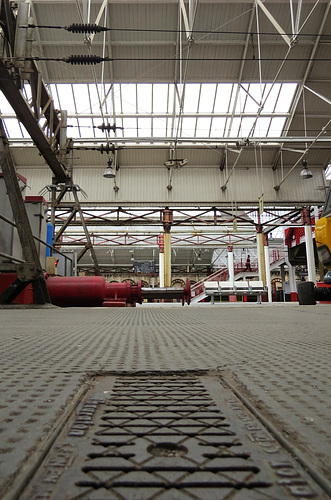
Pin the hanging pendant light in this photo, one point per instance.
(305, 172)
(109, 173)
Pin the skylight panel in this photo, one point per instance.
(285, 97)
(66, 99)
(241, 100)
(85, 127)
(223, 97)
(234, 130)
(270, 103)
(129, 100)
(246, 125)
(203, 127)
(262, 127)
(24, 132)
(99, 133)
(130, 127)
(171, 98)
(191, 98)
(144, 127)
(188, 127)
(172, 127)
(13, 128)
(207, 97)
(119, 132)
(217, 127)
(253, 98)
(100, 94)
(94, 99)
(5, 107)
(82, 99)
(144, 91)
(276, 127)
(72, 128)
(27, 92)
(115, 94)
(214, 101)
(53, 89)
(159, 127)
(160, 98)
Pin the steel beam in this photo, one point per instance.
(31, 271)
(190, 143)
(10, 83)
(274, 22)
(87, 235)
(25, 115)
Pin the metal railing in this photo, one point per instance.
(14, 259)
(219, 275)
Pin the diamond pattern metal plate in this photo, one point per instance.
(167, 437)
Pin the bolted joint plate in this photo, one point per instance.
(27, 272)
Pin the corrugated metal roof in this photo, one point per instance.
(220, 61)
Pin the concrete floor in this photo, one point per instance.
(276, 358)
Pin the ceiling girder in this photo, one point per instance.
(25, 115)
(42, 103)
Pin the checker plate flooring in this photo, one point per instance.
(276, 358)
(167, 437)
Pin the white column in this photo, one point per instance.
(267, 271)
(310, 254)
(230, 263)
(167, 259)
(161, 269)
(282, 273)
(260, 254)
(292, 281)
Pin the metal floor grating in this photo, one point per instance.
(277, 357)
(167, 437)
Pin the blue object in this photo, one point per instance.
(49, 238)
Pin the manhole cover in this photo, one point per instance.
(171, 437)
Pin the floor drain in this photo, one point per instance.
(167, 450)
(167, 437)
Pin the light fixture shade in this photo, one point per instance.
(306, 173)
(109, 173)
(176, 162)
(169, 163)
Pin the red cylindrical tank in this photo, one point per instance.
(90, 291)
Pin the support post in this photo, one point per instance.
(230, 263)
(292, 281)
(161, 260)
(167, 259)
(305, 217)
(167, 218)
(31, 271)
(267, 266)
(260, 253)
(87, 235)
(232, 298)
(282, 273)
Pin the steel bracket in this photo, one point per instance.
(27, 272)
